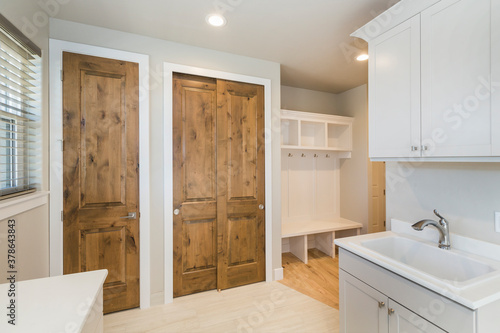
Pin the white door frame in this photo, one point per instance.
(56, 48)
(168, 70)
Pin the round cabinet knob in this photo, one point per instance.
(261, 206)
(391, 311)
(381, 304)
(176, 211)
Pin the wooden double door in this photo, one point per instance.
(218, 181)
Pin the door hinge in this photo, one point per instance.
(62, 216)
(62, 75)
(384, 191)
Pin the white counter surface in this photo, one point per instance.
(473, 296)
(54, 305)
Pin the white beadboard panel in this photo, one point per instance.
(301, 185)
(327, 187)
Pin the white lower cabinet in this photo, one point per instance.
(364, 309)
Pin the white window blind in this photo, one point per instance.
(20, 131)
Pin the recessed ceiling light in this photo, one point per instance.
(362, 57)
(216, 20)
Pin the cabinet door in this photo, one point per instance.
(456, 79)
(362, 308)
(402, 320)
(394, 98)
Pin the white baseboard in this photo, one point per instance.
(278, 274)
(157, 298)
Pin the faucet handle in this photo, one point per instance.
(438, 215)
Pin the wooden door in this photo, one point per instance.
(377, 206)
(195, 188)
(101, 173)
(218, 180)
(240, 184)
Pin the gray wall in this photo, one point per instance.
(354, 172)
(308, 100)
(467, 194)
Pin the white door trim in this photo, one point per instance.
(56, 48)
(168, 70)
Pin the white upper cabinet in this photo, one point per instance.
(394, 97)
(434, 80)
(456, 71)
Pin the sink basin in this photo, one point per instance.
(442, 264)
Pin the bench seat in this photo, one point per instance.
(324, 231)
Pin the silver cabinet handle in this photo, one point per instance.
(425, 148)
(176, 211)
(131, 216)
(261, 206)
(414, 148)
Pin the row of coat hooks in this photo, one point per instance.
(304, 155)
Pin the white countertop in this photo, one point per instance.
(54, 305)
(473, 296)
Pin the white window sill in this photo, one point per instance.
(14, 206)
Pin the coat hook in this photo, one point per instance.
(327, 155)
(303, 155)
(290, 155)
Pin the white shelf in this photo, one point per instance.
(314, 131)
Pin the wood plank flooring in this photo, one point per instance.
(260, 307)
(318, 279)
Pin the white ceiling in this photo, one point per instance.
(305, 37)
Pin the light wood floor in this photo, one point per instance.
(260, 307)
(318, 279)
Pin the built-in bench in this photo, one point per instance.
(323, 231)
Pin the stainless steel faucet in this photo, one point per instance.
(442, 226)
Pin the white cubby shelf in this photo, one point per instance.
(312, 145)
(315, 131)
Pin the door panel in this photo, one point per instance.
(394, 99)
(100, 173)
(455, 94)
(364, 308)
(403, 320)
(194, 175)
(240, 184)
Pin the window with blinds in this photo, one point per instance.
(20, 131)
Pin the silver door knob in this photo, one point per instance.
(131, 216)
(261, 206)
(176, 211)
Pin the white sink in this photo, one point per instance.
(457, 268)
